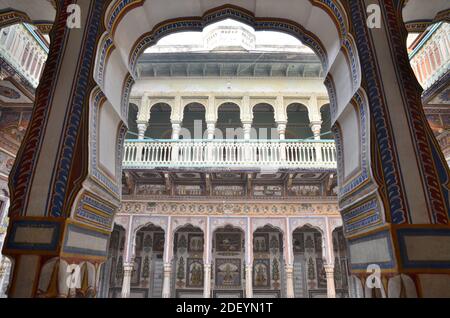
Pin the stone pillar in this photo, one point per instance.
(316, 126)
(166, 292)
(249, 260)
(142, 128)
(412, 175)
(176, 128)
(281, 127)
(329, 272)
(289, 281)
(143, 116)
(210, 129)
(247, 127)
(44, 192)
(126, 283)
(207, 281)
(249, 281)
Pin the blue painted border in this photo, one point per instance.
(406, 262)
(10, 244)
(83, 251)
(383, 265)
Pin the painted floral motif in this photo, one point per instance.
(8, 92)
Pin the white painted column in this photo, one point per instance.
(249, 281)
(168, 249)
(176, 128)
(327, 247)
(281, 127)
(207, 261)
(316, 126)
(249, 260)
(128, 258)
(247, 127)
(207, 281)
(166, 280)
(289, 281)
(289, 267)
(329, 272)
(143, 116)
(142, 128)
(210, 129)
(126, 284)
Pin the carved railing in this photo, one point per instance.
(267, 154)
(21, 48)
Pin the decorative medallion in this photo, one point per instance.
(9, 92)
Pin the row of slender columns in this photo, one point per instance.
(289, 270)
(281, 127)
(281, 120)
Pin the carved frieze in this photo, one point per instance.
(223, 208)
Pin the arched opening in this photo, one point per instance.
(298, 123)
(268, 263)
(325, 130)
(147, 274)
(132, 132)
(188, 262)
(264, 126)
(159, 126)
(309, 273)
(229, 121)
(194, 121)
(228, 251)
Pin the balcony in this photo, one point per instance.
(230, 154)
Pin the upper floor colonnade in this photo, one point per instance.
(246, 106)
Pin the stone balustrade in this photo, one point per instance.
(263, 154)
(24, 51)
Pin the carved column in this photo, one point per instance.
(249, 281)
(289, 281)
(142, 127)
(247, 127)
(207, 281)
(143, 116)
(281, 127)
(167, 257)
(249, 260)
(176, 128)
(126, 284)
(166, 292)
(207, 260)
(329, 272)
(316, 127)
(210, 129)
